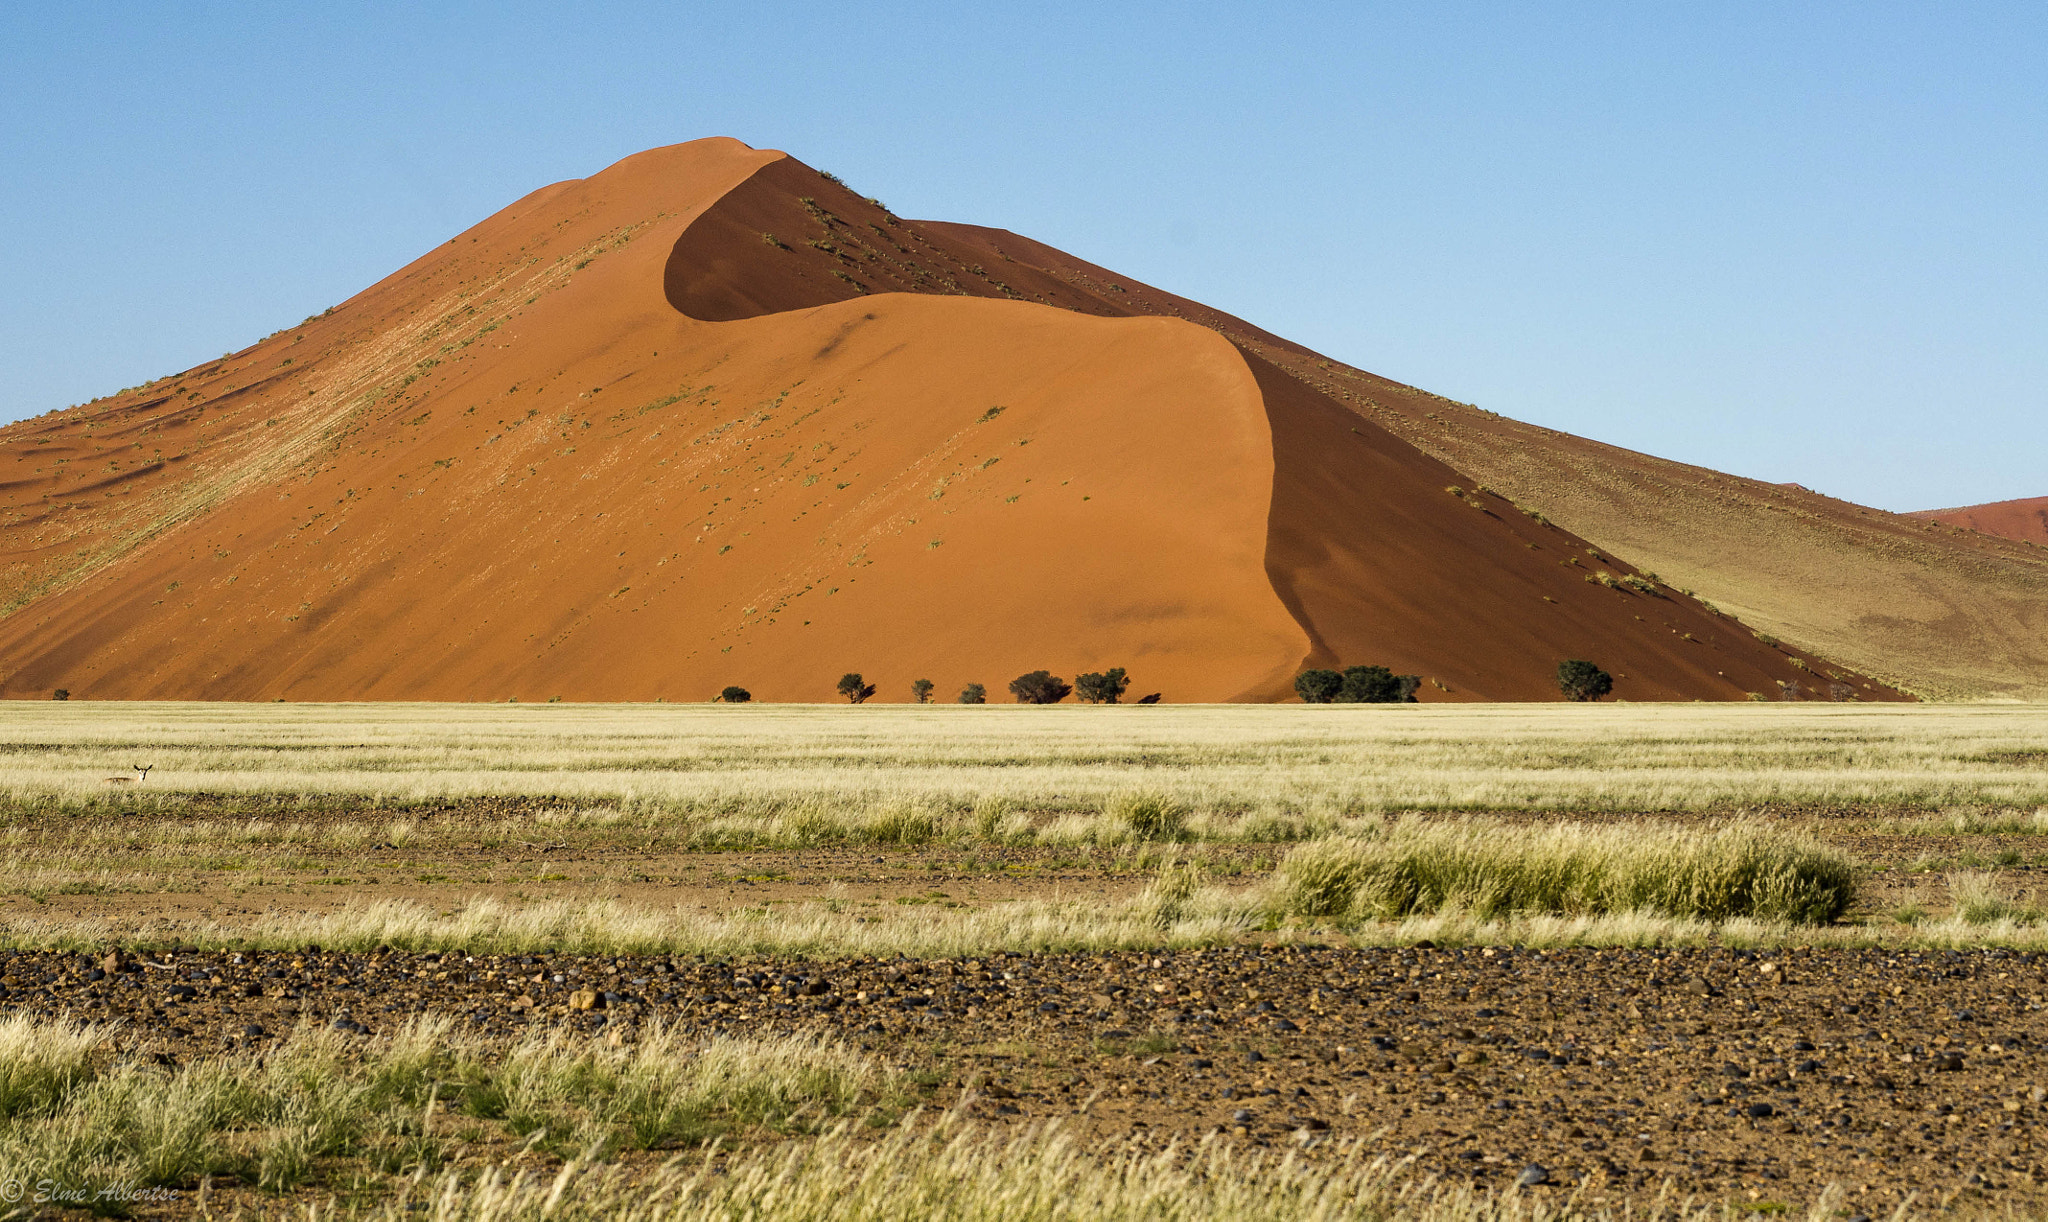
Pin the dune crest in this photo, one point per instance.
(2025, 519)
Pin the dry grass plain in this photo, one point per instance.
(1302, 946)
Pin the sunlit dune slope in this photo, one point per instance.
(707, 417)
(2025, 520)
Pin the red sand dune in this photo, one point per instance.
(708, 417)
(2025, 520)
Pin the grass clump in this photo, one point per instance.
(1149, 816)
(40, 1064)
(1980, 900)
(1487, 868)
(323, 1104)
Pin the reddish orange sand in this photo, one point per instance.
(708, 417)
(2025, 520)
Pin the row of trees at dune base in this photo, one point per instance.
(1356, 685)
(1578, 679)
(1036, 687)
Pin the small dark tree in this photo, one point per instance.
(922, 689)
(1368, 685)
(1102, 687)
(1580, 680)
(1040, 687)
(1151, 699)
(1408, 686)
(1318, 686)
(735, 694)
(974, 693)
(854, 688)
(62, 693)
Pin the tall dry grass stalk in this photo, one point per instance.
(948, 1172)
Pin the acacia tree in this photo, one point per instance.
(974, 693)
(1040, 687)
(1318, 686)
(735, 694)
(1376, 685)
(854, 688)
(922, 689)
(1102, 687)
(1582, 681)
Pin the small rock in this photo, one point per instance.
(1532, 1175)
(252, 1030)
(1242, 1115)
(585, 999)
(1253, 1057)
(1757, 1111)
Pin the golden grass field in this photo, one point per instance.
(859, 834)
(1230, 760)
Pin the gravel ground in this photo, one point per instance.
(1740, 1076)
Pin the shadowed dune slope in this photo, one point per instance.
(2025, 520)
(708, 417)
(1936, 609)
(1377, 559)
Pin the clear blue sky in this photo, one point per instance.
(1797, 241)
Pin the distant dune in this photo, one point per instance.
(708, 417)
(2025, 520)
